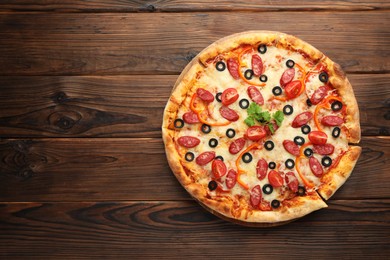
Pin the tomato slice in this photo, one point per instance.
(293, 88)
(255, 133)
(275, 179)
(318, 137)
(229, 96)
(218, 168)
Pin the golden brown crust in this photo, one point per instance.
(233, 41)
(293, 43)
(290, 209)
(336, 177)
(339, 81)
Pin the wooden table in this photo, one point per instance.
(83, 173)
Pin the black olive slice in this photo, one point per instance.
(189, 157)
(326, 161)
(308, 102)
(275, 204)
(263, 78)
(288, 110)
(290, 63)
(268, 189)
(244, 103)
(299, 140)
(277, 91)
(336, 132)
(323, 77)
(247, 158)
(219, 157)
(337, 106)
(269, 145)
(272, 165)
(212, 185)
(213, 142)
(308, 152)
(230, 133)
(206, 128)
(301, 191)
(218, 96)
(289, 163)
(305, 129)
(178, 123)
(220, 66)
(262, 48)
(248, 74)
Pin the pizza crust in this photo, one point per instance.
(231, 42)
(290, 210)
(339, 81)
(336, 177)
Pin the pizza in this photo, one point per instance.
(261, 128)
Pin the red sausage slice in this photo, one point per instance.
(261, 169)
(255, 95)
(188, 141)
(287, 77)
(231, 179)
(317, 137)
(291, 181)
(255, 196)
(315, 167)
(275, 179)
(257, 65)
(218, 168)
(325, 149)
(332, 121)
(190, 117)
(204, 158)
(237, 145)
(233, 67)
(229, 96)
(302, 119)
(319, 95)
(229, 114)
(255, 133)
(291, 147)
(205, 95)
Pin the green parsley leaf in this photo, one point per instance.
(250, 121)
(271, 128)
(254, 109)
(278, 116)
(264, 117)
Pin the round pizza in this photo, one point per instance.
(261, 128)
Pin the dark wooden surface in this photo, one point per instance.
(83, 173)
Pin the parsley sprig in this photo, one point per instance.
(255, 113)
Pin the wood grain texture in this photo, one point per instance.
(87, 106)
(347, 229)
(160, 43)
(108, 169)
(187, 6)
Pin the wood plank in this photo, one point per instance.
(86, 106)
(160, 43)
(107, 169)
(186, 6)
(148, 230)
